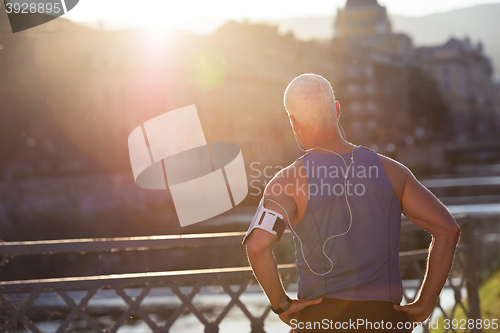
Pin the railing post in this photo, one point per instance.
(472, 281)
(258, 325)
(212, 328)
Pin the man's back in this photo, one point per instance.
(364, 247)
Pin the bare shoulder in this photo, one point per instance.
(397, 173)
(393, 166)
(288, 175)
(289, 189)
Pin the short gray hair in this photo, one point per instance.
(310, 99)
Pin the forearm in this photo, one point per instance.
(440, 259)
(266, 271)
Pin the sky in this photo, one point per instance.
(168, 14)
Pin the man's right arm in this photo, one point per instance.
(421, 207)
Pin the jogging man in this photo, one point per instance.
(343, 204)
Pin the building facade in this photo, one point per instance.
(496, 95)
(372, 83)
(362, 19)
(89, 88)
(464, 76)
(92, 87)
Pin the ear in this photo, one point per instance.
(294, 123)
(337, 108)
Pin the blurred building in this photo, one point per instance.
(462, 71)
(89, 88)
(496, 95)
(72, 94)
(372, 84)
(464, 75)
(365, 25)
(362, 19)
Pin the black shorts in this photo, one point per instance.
(352, 316)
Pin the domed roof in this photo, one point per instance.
(361, 3)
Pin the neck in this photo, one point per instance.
(331, 142)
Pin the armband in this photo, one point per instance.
(268, 220)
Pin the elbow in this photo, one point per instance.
(453, 232)
(256, 248)
(449, 232)
(252, 249)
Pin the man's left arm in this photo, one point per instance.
(259, 246)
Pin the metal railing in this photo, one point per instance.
(17, 298)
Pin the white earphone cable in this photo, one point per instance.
(346, 199)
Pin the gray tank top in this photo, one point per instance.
(366, 259)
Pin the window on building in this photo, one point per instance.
(445, 70)
(369, 72)
(353, 89)
(370, 88)
(355, 107)
(353, 70)
(357, 126)
(372, 125)
(371, 107)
